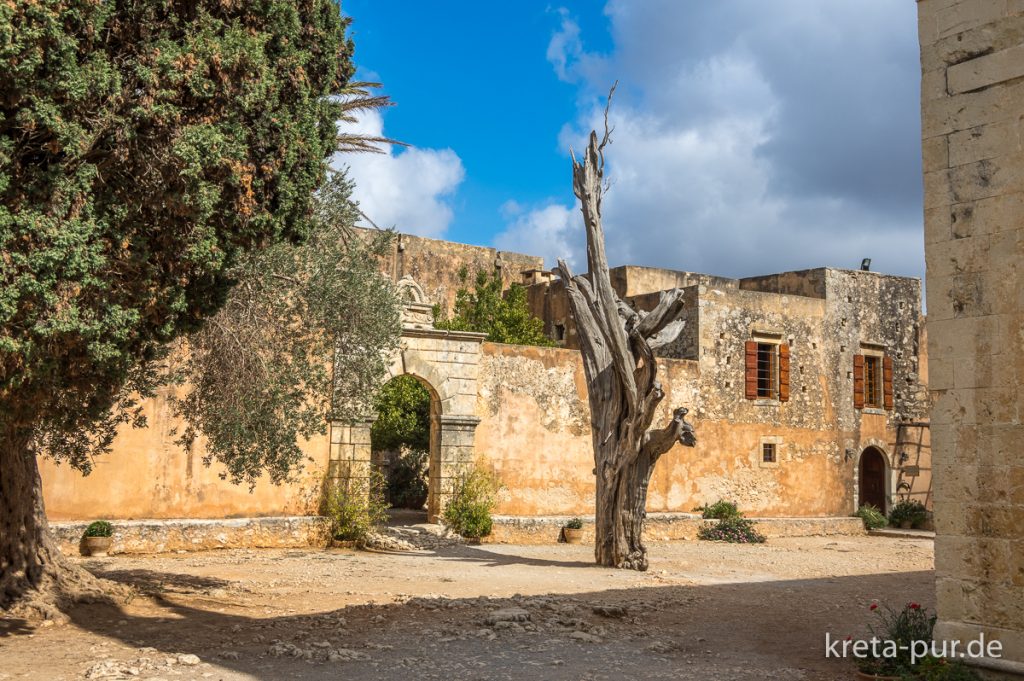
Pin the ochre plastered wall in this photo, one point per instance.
(972, 120)
(148, 475)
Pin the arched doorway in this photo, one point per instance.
(446, 363)
(872, 473)
(405, 444)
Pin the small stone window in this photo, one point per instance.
(769, 451)
(559, 332)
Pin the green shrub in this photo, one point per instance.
(574, 524)
(719, 510)
(735, 529)
(908, 509)
(872, 517)
(474, 495)
(99, 528)
(940, 669)
(355, 505)
(407, 480)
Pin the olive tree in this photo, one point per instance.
(617, 343)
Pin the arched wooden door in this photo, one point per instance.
(871, 489)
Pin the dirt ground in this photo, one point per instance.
(704, 611)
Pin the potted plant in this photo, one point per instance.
(907, 514)
(97, 538)
(573, 531)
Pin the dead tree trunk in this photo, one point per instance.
(617, 344)
(36, 580)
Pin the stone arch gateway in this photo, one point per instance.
(447, 363)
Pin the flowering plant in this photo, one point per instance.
(897, 631)
(735, 529)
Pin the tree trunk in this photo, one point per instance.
(36, 580)
(617, 344)
(621, 507)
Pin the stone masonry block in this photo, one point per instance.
(984, 141)
(987, 178)
(967, 337)
(985, 371)
(989, 520)
(969, 110)
(989, 216)
(955, 482)
(938, 224)
(969, 254)
(935, 153)
(986, 70)
(950, 596)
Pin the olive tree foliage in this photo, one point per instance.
(259, 371)
(144, 148)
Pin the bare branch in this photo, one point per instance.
(607, 139)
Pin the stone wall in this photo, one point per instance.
(972, 111)
(161, 536)
(436, 265)
(534, 431)
(665, 526)
(826, 316)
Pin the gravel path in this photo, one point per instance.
(705, 611)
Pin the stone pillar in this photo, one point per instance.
(452, 452)
(972, 120)
(350, 450)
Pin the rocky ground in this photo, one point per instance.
(705, 611)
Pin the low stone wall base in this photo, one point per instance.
(663, 526)
(160, 536)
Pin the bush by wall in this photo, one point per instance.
(474, 495)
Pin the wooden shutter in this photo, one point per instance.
(887, 382)
(783, 372)
(750, 365)
(858, 381)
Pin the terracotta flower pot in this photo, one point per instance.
(97, 546)
(572, 535)
(906, 524)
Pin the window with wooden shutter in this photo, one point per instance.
(858, 381)
(783, 372)
(887, 382)
(750, 365)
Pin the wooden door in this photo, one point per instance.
(872, 479)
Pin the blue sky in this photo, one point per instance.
(751, 137)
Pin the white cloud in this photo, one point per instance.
(749, 138)
(551, 231)
(407, 188)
